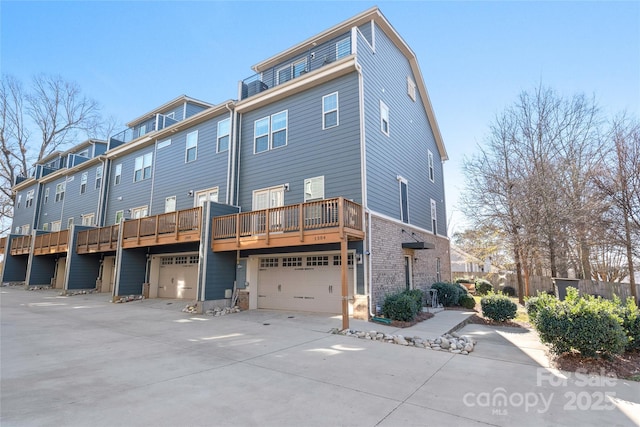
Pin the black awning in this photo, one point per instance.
(418, 245)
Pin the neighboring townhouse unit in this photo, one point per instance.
(331, 153)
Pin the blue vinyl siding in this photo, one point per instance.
(76, 204)
(310, 150)
(192, 109)
(84, 268)
(367, 31)
(174, 177)
(220, 266)
(14, 268)
(405, 151)
(132, 271)
(25, 215)
(132, 194)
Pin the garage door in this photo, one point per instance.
(302, 283)
(178, 277)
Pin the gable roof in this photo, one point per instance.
(171, 104)
(372, 14)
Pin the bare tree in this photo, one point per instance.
(619, 181)
(36, 121)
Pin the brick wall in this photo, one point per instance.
(387, 258)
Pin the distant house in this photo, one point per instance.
(319, 189)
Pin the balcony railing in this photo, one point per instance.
(314, 58)
(3, 244)
(172, 227)
(322, 221)
(102, 239)
(21, 245)
(161, 121)
(51, 243)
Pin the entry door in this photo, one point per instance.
(203, 196)
(268, 198)
(61, 266)
(108, 273)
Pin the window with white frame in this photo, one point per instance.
(119, 217)
(314, 188)
(118, 174)
(330, 110)
(343, 48)
(139, 212)
(45, 226)
(142, 130)
(170, 204)
(19, 200)
(29, 199)
(46, 194)
(98, 177)
(60, 189)
(25, 229)
(83, 182)
(270, 132)
(279, 129)
(165, 143)
(142, 167)
(432, 173)
(69, 223)
(411, 88)
(55, 225)
(224, 130)
(384, 118)
(203, 196)
(191, 152)
(88, 219)
(404, 199)
(434, 217)
(261, 135)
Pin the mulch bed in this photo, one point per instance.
(422, 316)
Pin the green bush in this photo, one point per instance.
(467, 301)
(448, 293)
(587, 324)
(631, 323)
(400, 306)
(533, 304)
(483, 287)
(498, 307)
(417, 295)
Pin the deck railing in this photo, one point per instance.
(321, 214)
(3, 244)
(50, 243)
(171, 223)
(98, 239)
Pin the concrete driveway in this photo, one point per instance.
(83, 361)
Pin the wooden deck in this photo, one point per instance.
(103, 239)
(3, 244)
(318, 222)
(51, 243)
(164, 229)
(21, 245)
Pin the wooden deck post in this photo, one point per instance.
(345, 281)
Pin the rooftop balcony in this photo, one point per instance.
(315, 58)
(103, 239)
(161, 121)
(51, 243)
(318, 222)
(164, 229)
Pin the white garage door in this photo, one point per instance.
(302, 282)
(178, 277)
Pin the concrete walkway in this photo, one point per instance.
(83, 361)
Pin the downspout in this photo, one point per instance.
(237, 187)
(103, 193)
(153, 175)
(363, 178)
(232, 157)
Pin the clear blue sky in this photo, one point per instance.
(475, 56)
